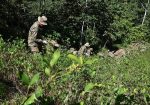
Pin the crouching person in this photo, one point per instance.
(34, 38)
(85, 50)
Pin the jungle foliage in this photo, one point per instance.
(74, 22)
(60, 78)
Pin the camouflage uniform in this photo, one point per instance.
(32, 38)
(83, 49)
(89, 52)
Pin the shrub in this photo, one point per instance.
(126, 26)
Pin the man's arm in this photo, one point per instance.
(41, 41)
(38, 40)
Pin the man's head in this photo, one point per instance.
(42, 20)
(87, 44)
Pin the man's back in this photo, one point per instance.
(33, 34)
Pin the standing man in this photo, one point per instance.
(34, 39)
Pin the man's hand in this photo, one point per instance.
(45, 42)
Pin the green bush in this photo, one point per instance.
(127, 26)
(64, 78)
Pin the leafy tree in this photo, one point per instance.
(79, 22)
(74, 22)
(15, 19)
(126, 26)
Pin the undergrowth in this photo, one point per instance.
(59, 78)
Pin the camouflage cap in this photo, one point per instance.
(42, 20)
(87, 44)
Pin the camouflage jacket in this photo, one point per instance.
(82, 50)
(32, 37)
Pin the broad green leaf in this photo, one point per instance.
(74, 58)
(81, 60)
(89, 87)
(143, 90)
(34, 79)
(38, 92)
(82, 103)
(93, 73)
(90, 61)
(100, 85)
(25, 78)
(55, 58)
(47, 71)
(30, 100)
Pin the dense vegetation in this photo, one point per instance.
(74, 22)
(60, 78)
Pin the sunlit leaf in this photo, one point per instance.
(55, 58)
(74, 58)
(122, 90)
(30, 100)
(34, 79)
(89, 87)
(25, 78)
(38, 91)
(143, 90)
(82, 103)
(47, 71)
(81, 60)
(90, 61)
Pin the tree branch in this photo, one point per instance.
(146, 9)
